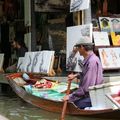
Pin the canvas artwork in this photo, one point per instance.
(101, 39)
(77, 5)
(115, 37)
(74, 34)
(110, 57)
(1, 60)
(95, 23)
(28, 61)
(105, 24)
(44, 61)
(20, 65)
(115, 24)
(38, 62)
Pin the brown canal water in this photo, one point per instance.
(14, 108)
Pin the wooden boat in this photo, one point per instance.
(56, 106)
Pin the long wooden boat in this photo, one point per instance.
(56, 106)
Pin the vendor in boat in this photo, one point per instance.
(20, 48)
(92, 74)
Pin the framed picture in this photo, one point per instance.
(115, 24)
(101, 39)
(105, 24)
(75, 34)
(77, 5)
(110, 58)
(115, 37)
(95, 23)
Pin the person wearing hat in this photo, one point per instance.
(92, 74)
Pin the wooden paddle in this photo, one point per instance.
(65, 103)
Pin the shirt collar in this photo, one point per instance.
(87, 58)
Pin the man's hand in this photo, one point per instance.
(66, 98)
(72, 76)
(75, 49)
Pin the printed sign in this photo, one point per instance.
(77, 5)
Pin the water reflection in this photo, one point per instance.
(15, 108)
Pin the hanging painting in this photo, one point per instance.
(77, 5)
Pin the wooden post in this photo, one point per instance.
(105, 7)
(78, 16)
(82, 17)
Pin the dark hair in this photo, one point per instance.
(20, 42)
(88, 47)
